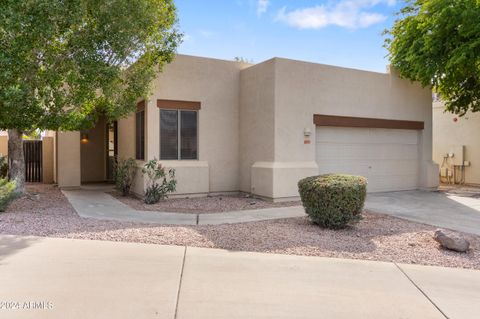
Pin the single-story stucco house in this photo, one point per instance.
(228, 126)
(455, 145)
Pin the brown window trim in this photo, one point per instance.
(178, 105)
(348, 121)
(141, 106)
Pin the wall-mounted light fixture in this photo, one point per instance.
(306, 135)
(83, 137)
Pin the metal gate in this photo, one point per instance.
(33, 160)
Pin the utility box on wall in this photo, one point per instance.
(456, 154)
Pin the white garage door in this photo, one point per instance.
(387, 157)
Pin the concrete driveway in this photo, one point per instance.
(458, 211)
(82, 279)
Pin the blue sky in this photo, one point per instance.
(344, 33)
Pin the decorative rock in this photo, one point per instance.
(451, 240)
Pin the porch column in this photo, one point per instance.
(68, 159)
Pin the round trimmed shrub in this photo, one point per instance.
(333, 200)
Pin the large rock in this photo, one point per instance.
(451, 240)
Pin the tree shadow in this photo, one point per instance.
(10, 245)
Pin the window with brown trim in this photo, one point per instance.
(178, 134)
(140, 135)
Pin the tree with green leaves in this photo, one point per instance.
(437, 43)
(64, 63)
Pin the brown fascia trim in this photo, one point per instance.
(178, 105)
(141, 106)
(347, 121)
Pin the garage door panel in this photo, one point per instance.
(388, 158)
(341, 135)
(329, 151)
(392, 183)
(376, 167)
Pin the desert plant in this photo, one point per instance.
(124, 174)
(3, 166)
(7, 193)
(333, 200)
(155, 172)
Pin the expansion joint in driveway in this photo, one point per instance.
(180, 282)
(419, 289)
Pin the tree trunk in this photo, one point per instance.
(16, 160)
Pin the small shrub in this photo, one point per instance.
(124, 174)
(3, 166)
(333, 200)
(154, 171)
(7, 193)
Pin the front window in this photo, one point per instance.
(178, 134)
(140, 135)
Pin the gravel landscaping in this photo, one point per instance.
(199, 205)
(376, 237)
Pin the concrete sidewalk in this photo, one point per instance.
(91, 279)
(100, 205)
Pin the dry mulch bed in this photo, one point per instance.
(202, 205)
(376, 237)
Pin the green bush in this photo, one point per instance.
(7, 193)
(124, 174)
(333, 200)
(3, 166)
(154, 171)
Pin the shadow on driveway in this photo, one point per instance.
(10, 245)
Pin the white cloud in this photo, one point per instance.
(350, 14)
(206, 33)
(367, 19)
(262, 6)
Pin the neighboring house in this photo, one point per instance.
(228, 126)
(456, 147)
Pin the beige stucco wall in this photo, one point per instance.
(68, 159)
(252, 120)
(302, 89)
(448, 133)
(53, 136)
(48, 159)
(126, 136)
(257, 127)
(214, 83)
(3, 145)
